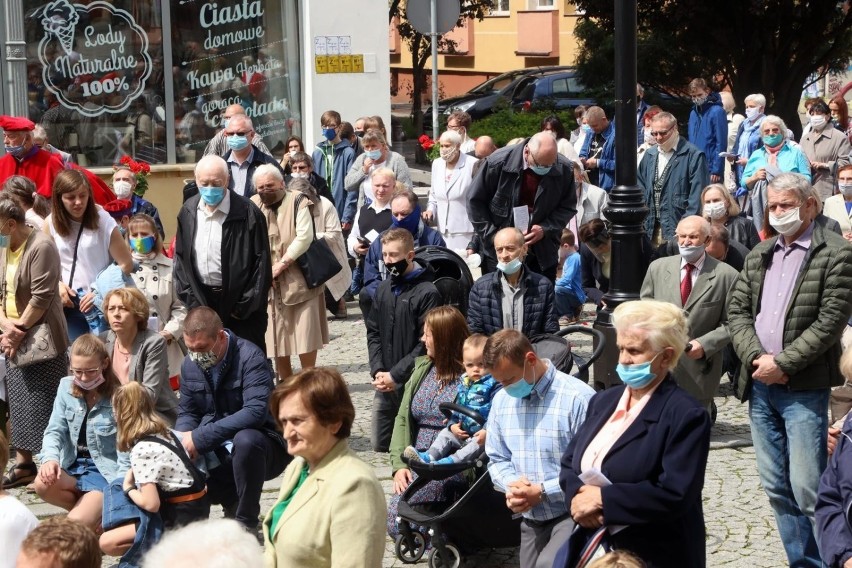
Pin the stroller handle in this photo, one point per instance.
(598, 340)
(449, 407)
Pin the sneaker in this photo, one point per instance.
(444, 461)
(565, 321)
(412, 455)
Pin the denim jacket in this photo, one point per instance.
(475, 396)
(60, 438)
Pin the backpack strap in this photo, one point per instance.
(198, 480)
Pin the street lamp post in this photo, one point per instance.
(626, 210)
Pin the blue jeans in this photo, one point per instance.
(565, 302)
(789, 433)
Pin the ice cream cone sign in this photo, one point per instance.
(60, 19)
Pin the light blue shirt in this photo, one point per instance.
(572, 277)
(527, 436)
(790, 159)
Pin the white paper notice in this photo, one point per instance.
(372, 235)
(596, 478)
(522, 218)
(344, 44)
(332, 45)
(320, 47)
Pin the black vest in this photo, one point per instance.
(369, 220)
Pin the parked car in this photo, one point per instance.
(557, 90)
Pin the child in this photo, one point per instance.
(569, 294)
(161, 478)
(463, 439)
(60, 542)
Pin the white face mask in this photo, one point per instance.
(650, 140)
(752, 112)
(300, 175)
(715, 210)
(691, 254)
(817, 120)
(788, 223)
(293, 152)
(845, 189)
(448, 154)
(122, 189)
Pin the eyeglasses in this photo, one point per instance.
(268, 188)
(79, 373)
(535, 160)
(656, 133)
(238, 133)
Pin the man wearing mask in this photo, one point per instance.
(700, 284)
(786, 314)
(534, 175)
(598, 152)
(222, 257)
(405, 214)
(395, 326)
(333, 157)
(672, 174)
(708, 127)
(124, 185)
(512, 297)
(242, 157)
(218, 145)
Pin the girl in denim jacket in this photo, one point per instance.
(79, 456)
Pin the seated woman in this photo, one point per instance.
(720, 209)
(434, 380)
(137, 353)
(79, 457)
(329, 511)
(650, 440)
(596, 258)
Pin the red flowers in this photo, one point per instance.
(426, 143)
(140, 169)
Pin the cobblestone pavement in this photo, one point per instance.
(740, 527)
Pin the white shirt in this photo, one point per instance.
(208, 241)
(16, 522)
(356, 230)
(92, 252)
(697, 266)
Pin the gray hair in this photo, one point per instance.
(265, 170)
(242, 117)
(213, 160)
(757, 99)
(39, 133)
(667, 116)
(776, 120)
(219, 543)
(794, 183)
(664, 323)
(452, 137)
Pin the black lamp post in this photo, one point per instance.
(626, 210)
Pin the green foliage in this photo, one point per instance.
(506, 124)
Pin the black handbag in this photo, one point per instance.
(318, 263)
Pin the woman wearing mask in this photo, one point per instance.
(826, 148)
(839, 207)
(452, 174)
(297, 321)
(648, 139)
(840, 115)
(720, 209)
(294, 146)
(748, 134)
(376, 155)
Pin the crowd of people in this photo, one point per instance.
(149, 376)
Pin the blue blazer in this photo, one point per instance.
(657, 472)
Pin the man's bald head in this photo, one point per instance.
(211, 171)
(695, 223)
(542, 148)
(509, 234)
(484, 147)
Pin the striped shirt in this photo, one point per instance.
(527, 436)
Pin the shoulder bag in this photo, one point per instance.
(318, 263)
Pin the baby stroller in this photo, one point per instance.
(452, 275)
(559, 350)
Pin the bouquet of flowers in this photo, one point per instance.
(140, 169)
(432, 148)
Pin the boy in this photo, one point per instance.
(463, 439)
(569, 294)
(332, 159)
(59, 542)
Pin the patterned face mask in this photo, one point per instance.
(204, 359)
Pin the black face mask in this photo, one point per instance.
(359, 133)
(397, 269)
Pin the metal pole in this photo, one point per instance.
(16, 60)
(434, 36)
(626, 210)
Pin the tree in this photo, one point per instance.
(773, 47)
(420, 47)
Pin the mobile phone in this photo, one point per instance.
(364, 241)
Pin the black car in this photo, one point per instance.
(556, 90)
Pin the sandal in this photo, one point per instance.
(12, 479)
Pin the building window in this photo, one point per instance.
(501, 8)
(544, 4)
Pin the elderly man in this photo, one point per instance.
(533, 419)
(483, 148)
(222, 253)
(532, 175)
(786, 314)
(708, 127)
(242, 157)
(512, 297)
(41, 140)
(700, 284)
(218, 145)
(672, 174)
(124, 185)
(598, 152)
(224, 415)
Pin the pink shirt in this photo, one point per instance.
(625, 414)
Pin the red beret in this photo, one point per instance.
(118, 207)
(11, 123)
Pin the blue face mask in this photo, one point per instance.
(373, 154)
(16, 151)
(773, 140)
(143, 245)
(410, 222)
(521, 388)
(237, 142)
(636, 376)
(540, 170)
(511, 267)
(212, 195)
(329, 133)
(586, 128)
(5, 240)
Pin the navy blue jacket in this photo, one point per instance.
(834, 500)
(640, 122)
(657, 472)
(239, 402)
(485, 309)
(708, 130)
(258, 158)
(374, 267)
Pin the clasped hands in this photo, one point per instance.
(587, 507)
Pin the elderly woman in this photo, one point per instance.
(452, 174)
(137, 353)
(650, 440)
(648, 140)
(434, 380)
(124, 185)
(748, 133)
(591, 199)
(376, 155)
(297, 322)
(720, 209)
(826, 147)
(839, 207)
(329, 511)
(30, 298)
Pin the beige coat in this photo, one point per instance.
(835, 208)
(329, 229)
(335, 520)
(830, 146)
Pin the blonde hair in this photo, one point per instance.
(846, 364)
(664, 323)
(135, 416)
(618, 559)
(89, 345)
(134, 301)
(730, 205)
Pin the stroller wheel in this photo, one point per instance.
(410, 552)
(437, 560)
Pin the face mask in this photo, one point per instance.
(715, 210)
(212, 195)
(691, 254)
(650, 140)
(521, 388)
(397, 269)
(237, 142)
(511, 267)
(636, 376)
(788, 223)
(16, 151)
(143, 245)
(329, 133)
(540, 170)
(449, 154)
(91, 385)
(225, 122)
(410, 222)
(845, 188)
(271, 197)
(752, 112)
(204, 359)
(373, 154)
(359, 133)
(773, 140)
(122, 189)
(4, 239)
(817, 120)
(586, 128)
(698, 101)
(293, 152)
(300, 175)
